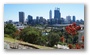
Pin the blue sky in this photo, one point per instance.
(11, 11)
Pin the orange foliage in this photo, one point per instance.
(62, 39)
(77, 46)
(72, 29)
(70, 46)
(82, 38)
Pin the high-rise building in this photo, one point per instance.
(21, 17)
(62, 20)
(37, 20)
(10, 21)
(81, 21)
(30, 19)
(50, 17)
(50, 14)
(68, 19)
(42, 20)
(78, 22)
(57, 14)
(74, 18)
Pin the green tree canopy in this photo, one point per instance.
(30, 34)
(9, 29)
(53, 38)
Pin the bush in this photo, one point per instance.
(53, 38)
(31, 35)
(9, 29)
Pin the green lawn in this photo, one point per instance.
(37, 46)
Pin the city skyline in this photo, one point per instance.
(11, 10)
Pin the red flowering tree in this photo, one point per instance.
(77, 46)
(72, 29)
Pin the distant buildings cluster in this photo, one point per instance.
(41, 20)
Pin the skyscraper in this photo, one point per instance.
(57, 14)
(30, 19)
(50, 17)
(68, 19)
(50, 14)
(37, 20)
(21, 17)
(74, 18)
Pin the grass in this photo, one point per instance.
(8, 39)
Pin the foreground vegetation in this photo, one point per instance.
(11, 40)
(68, 37)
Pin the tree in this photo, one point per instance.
(62, 39)
(53, 38)
(31, 35)
(72, 31)
(42, 40)
(9, 29)
(16, 35)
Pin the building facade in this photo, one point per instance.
(30, 19)
(21, 17)
(57, 16)
(74, 18)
